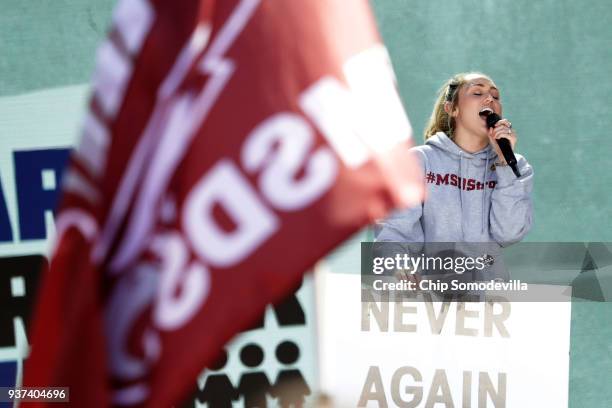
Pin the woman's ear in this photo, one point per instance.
(448, 107)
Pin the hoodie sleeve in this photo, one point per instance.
(400, 233)
(402, 225)
(511, 213)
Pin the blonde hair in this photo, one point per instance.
(440, 120)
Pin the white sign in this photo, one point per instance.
(434, 354)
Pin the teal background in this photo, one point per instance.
(49, 44)
(551, 59)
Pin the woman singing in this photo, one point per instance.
(472, 194)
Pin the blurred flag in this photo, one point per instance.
(228, 146)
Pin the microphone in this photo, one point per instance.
(503, 143)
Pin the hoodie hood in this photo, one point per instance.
(441, 141)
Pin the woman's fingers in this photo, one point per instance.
(408, 276)
(504, 122)
(504, 129)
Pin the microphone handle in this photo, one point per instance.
(506, 149)
(504, 144)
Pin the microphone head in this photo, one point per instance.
(492, 119)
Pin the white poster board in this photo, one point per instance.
(428, 354)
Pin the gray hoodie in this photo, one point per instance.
(469, 199)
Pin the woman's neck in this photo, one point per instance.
(469, 142)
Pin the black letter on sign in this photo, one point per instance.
(288, 312)
(18, 283)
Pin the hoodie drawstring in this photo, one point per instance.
(484, 193)
(483, 217)
(461, 192)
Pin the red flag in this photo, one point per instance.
(228, 146)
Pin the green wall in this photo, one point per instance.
(49, 44)
(552, 61)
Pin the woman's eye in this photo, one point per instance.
(496, 98)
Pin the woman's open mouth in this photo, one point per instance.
(484, 112)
